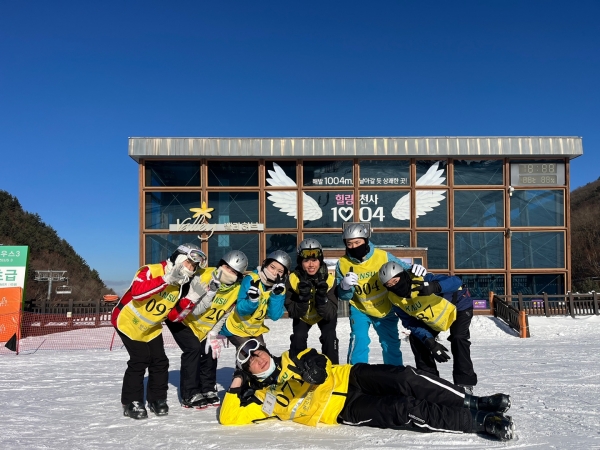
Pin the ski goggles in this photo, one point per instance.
(245, 351)
(196, 256)
(306, 253)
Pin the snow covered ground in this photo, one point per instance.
(70, 399)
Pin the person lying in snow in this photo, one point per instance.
(308, 389)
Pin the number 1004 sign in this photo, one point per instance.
(366, 213)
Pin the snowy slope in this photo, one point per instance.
(70, 399)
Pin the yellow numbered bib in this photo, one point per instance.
(370, 296)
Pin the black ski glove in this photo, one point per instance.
(304, 288)
(311, 367)
(246, 391)
(321, 293)
(254, 291)
(438, 351)
(426, 288)
(279, 285)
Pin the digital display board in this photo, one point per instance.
(537, 174)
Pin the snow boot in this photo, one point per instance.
(195, 401)
(135, 410)
(495, 424)
(212, 399)
(159, 407)
(493, 403)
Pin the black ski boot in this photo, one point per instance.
(159, 407)
(197, 401)
(135, 410)
(495, 424)
(494, 403)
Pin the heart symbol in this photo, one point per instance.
(348, 210)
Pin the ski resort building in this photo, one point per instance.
(492, 210)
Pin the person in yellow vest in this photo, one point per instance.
(154, 291)
(311, 300)
(308, 389)
(261, 295)
(196, 327)
(428, 305)
(357, 277)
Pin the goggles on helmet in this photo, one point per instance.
(306, 253)
(197, 257)
(245, 351)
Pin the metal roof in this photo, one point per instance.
(379, 147)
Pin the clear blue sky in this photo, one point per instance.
(78, 78)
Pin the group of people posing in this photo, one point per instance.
(204, 307)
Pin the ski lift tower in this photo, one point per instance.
(50, 276)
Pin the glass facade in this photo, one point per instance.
(473, 223)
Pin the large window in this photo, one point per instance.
(164, 208)
(537, 208)
(220, 244)
(479, 250)
(478, 208)
(480, 285)
(172, 173)
(160, 246)
(328, 173)
(233, 206)
(328, 209)
(437, 248)
(551, 284)
(384, 173)
(432, 208)
(233, 173)
(431, 173)
(471, 172)
(385, 209)
(538, 250)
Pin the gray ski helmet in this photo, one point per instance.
(281, 257)
(310, 248)
(356, 230)
(236, 259)
(389, 270)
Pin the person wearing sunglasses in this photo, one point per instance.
(426, 306)
(137, 318)
(261, 296)
(358, 282)
(311, 300)
(308, 389)
(196, 326)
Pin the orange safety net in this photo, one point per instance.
(68, 332)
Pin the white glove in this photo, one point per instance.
(418, 270)
(214, 342)
(197, 287)
(351, 279)
(176, 276)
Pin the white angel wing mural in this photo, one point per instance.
(426, 200)
(287, 201)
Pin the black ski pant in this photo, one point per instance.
(145, 355)
(386, 396)
(328, 339)
(198, 371)
(460, 346)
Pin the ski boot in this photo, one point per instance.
(493, 403)
(159, 407)
(212, 399)
(195, 401)
(135, 410)
(495, 424)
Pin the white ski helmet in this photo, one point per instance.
(191, 252)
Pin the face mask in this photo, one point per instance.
(267, 277)
(261, 376)
(228, 278)
(358, 252)
(402, 287)
(184, 270)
